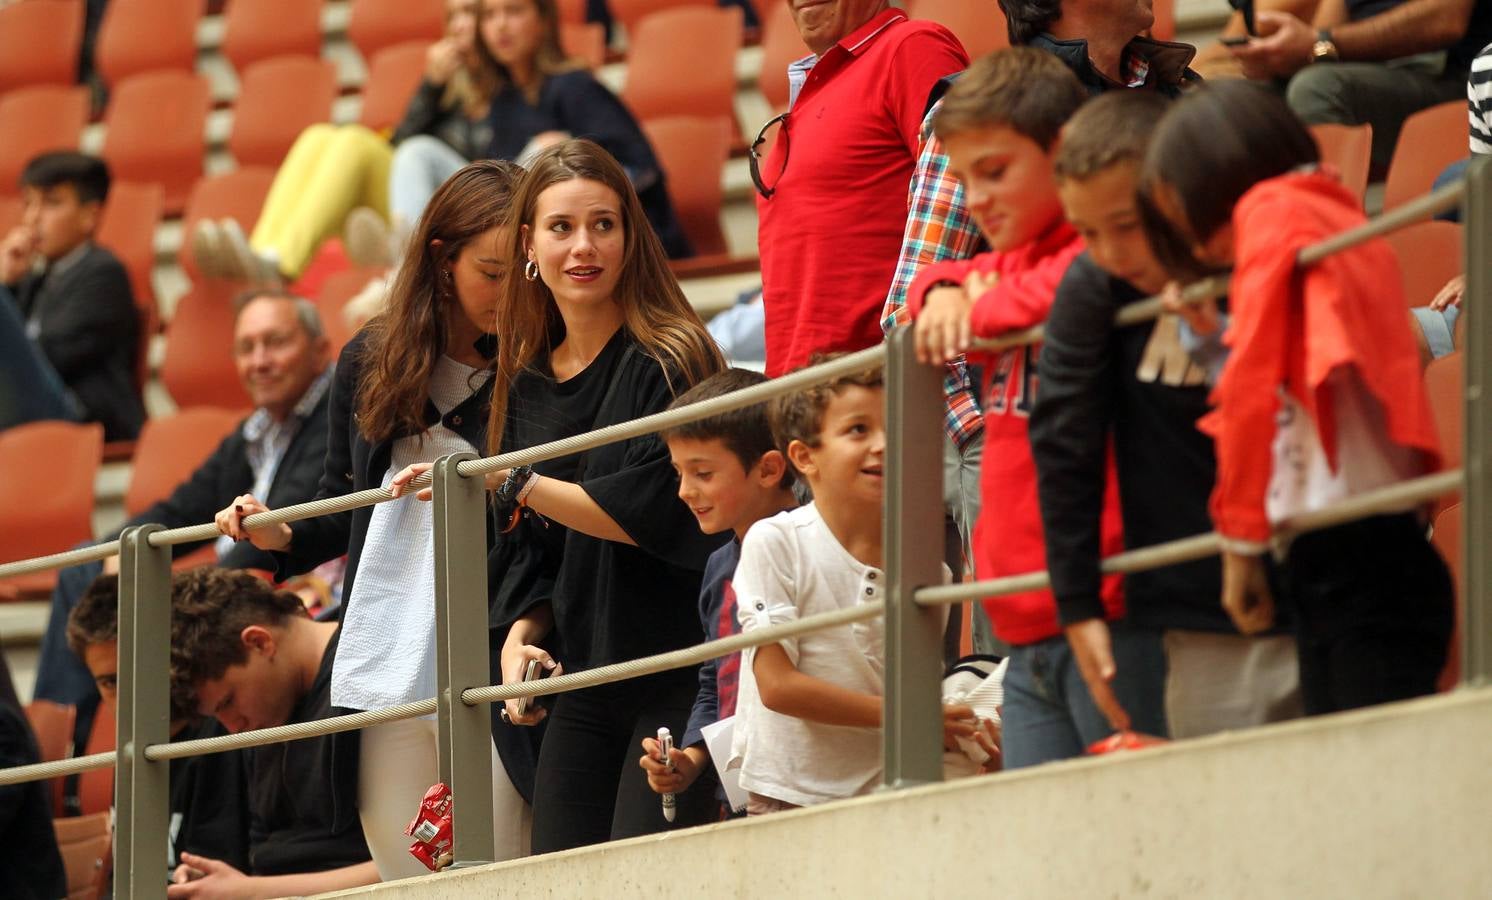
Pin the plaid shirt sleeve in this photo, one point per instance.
(938, 228)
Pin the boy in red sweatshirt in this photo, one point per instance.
(999, 125)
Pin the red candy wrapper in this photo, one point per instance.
(1124, 740)
(431, 829)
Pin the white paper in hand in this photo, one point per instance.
(718, 739)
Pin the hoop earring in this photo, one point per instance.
(531, 270)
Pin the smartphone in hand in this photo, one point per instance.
(534, 671)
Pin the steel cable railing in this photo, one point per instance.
(1198, 546)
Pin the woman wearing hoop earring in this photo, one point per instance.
(414, 385)
(599, 562)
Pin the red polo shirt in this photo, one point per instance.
(830, 234)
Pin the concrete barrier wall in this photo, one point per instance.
(1390, 802)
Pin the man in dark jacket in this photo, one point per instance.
(74, 295)
(277, 451)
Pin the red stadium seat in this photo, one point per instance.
(53, 723)
(198, 367)
(628, 13)
(96, 786)
(781, 45)
(335, 291)
(571, 12)
(237, 195)
(47, 506)
(1430, 254)
(1164, 28)
(84, 843)
(692, 152)
(978, 24)
(1349, 150)
(171, 448)
(39, 42)
(255, 30)
(146, 36)
(128, 225)
(393, 76)
(277, 100)
(1430, 140)
(10, 213)
(374, 25)
(585, 42)
(155, 132)
(35, 120)
(668, 76)
(1447, 539)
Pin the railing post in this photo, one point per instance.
(461, 656)
(141, 787)
(913, 734)
(1476, 629)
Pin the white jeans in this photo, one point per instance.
(399, 761)
(1221, 682)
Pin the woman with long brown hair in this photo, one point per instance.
(602, 563)
(412, 386)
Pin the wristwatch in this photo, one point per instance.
(1325, 49)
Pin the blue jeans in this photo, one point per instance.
(61, 675)
(421, 165)
(1049, 714)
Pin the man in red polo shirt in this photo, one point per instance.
(832, 194)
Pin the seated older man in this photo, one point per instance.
(282, 360)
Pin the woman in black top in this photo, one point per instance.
(604, 562)
(542, 97)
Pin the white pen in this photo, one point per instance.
(665, 749)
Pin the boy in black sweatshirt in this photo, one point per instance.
(1138, 386)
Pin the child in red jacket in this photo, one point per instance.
(1320, 398)
(999, 125)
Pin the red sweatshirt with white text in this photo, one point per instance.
(1008, 536)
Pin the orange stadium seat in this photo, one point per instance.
(1164, 28)
(1430, 254)
(335, 291)
(571, 12)
(1349, 150)
(671, 76)
(1445, 385)
(1430, 140)
(978, 24)
(52, 723)
(147, 35)
(96, 786)
(47, 505)
(171, 448)
(128, 229)
(781, 45)
(277, 100)
(37, 119)
(628, 13)
(374, 25)
(585, 41)
(237, 195)
(198, 367)
(692, 151)
(1447, 539)
(155, 132)
(393, 76)
(39, 42)
(255, 30)
(84, 843)
(10, 213)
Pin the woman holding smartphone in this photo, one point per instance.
(596, 560)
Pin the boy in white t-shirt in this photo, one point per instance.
(809, 709)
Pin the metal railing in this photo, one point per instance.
(912, 750)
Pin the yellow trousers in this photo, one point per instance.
(331, 170)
